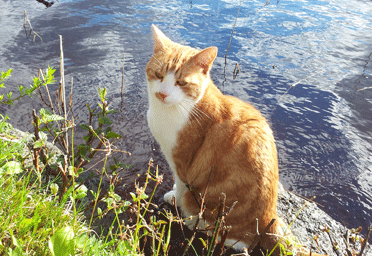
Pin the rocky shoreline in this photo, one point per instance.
(312, 221)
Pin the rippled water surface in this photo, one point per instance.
(304, 64)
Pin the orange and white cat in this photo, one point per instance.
(199, 128)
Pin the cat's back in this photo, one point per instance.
(234, 118)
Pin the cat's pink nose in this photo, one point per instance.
(161, 96)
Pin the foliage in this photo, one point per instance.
(41, 204)
(42, 80)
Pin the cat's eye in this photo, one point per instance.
(158, 75)
(181, 83)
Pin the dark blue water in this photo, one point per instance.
(323, 124)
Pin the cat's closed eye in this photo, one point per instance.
(181, 83)
(158, 75)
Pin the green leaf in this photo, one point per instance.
(83, 149)
(53, 118)
(11, 168)
(39, 144)
(134, 197)
(99, 212)
(81, 191)
(85, 127)
(112, 111)
(28, 90)
(111, 135)
(98, 130)
(43, 136)
(54, 188)
(44, 112)
(144, 196)
(5, 75)
(94, 194)
(49, 76)
(116, 197)
(109, 201)
(47, 116)
(79, 171)
(102, 93)
(104, 120)
(62, 242)
(21, 88)
(36, 83)
(26, 224)
(71, 171)
(87, 138)
(9, 95)
(14, 240)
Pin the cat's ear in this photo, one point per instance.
(161, 41)
(205, 58)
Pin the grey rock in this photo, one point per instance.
(312, 221)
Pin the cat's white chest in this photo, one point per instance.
(165, 123)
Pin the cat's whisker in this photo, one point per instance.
(160, 63)
(191, 112)
(157, 65)
(202, 112)
(197, 117)
(195, 113)
(196, 109)
(181, 110)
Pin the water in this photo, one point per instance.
(322, 124)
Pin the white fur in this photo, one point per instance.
(165, 120)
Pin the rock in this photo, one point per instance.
(52, 150)
(312, 221)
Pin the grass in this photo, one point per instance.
(36, 221)
(41, 202)
(33, 219)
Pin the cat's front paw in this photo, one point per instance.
(168, 197)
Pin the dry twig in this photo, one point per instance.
(31, 29)
(259, 237)
(228, 47)
(365, 241)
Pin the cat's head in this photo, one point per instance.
(176, 72)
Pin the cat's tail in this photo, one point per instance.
(282, 239)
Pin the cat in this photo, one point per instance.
(212, 140)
